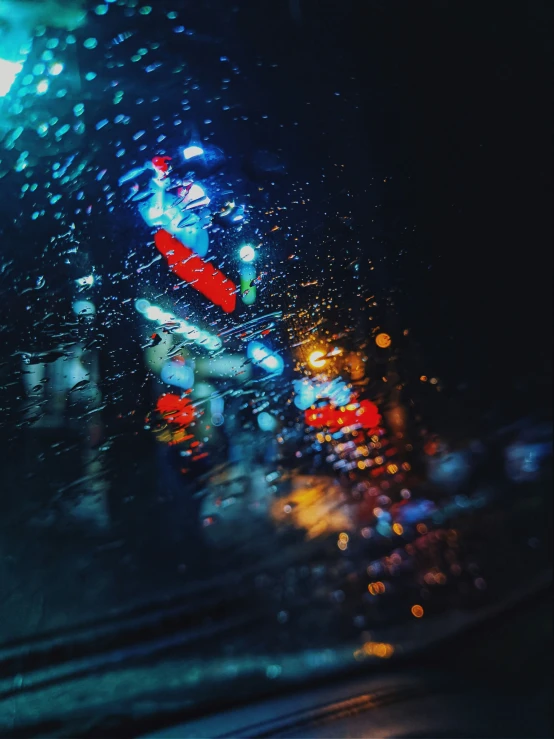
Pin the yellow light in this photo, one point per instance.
(315, 359)
(398, 529)
(383, 341)
(376, 649)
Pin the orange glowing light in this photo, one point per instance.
(316, 359)
(417, 611)
(383, 340)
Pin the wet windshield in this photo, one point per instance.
(275, 359)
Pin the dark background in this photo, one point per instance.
(455, 113)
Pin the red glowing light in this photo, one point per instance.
(200, 275)
(365, 414)
(175, 409)
(161, 163)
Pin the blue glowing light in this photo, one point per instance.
(192, 151)
(8, 73)
(263, 357)
(308, 391)
(178, 374)
(306, 394)
(266, 421)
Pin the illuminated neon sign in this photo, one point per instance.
(200, 275)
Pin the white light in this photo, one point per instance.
(87, 281)
(42, 87)
(154, 212)
(8, 73)
(192, 151)
(247, 253)
(182, 328)
(197, 196)
(193, 333)
(271, 362)
(213, 343)
(56, 69)
(153, 313)
(258, 354)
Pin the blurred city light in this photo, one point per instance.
(383, 340)
(266, 421)
(192, 151)
(316, 359)
(209, 341)
(265, 358)
(247, 253)
(8, 73)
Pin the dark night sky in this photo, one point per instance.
(456, 111)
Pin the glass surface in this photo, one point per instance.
(275, 286)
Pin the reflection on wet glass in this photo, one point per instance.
(205, 393)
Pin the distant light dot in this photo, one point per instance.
(101, 9)
(90, 43)
(417, 611)
(146, 10)
(90, 76)
(56, 69)
(42, 87)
